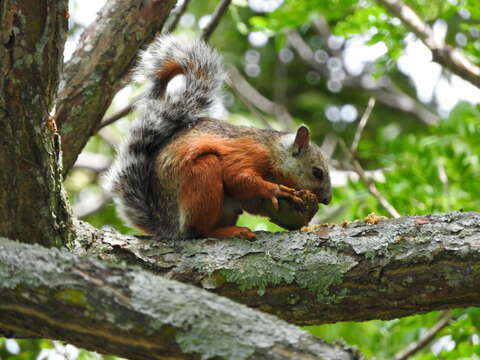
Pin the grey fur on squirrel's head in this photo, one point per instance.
(303, 161)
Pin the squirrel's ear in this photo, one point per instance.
(302, 140)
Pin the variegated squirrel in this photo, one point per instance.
(181, 173)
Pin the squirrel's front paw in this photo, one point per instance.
(283, 191)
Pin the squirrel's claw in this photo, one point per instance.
(289, 193)
(274, 201)
(285, 192)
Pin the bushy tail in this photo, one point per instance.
(161, 115)
(169, 56)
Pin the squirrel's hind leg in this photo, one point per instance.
(202, 194)
(202, 200)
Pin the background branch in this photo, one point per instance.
(251, 95)
(351, 154)
(116, 116)
(175, 17)
(384, 92)
(372, 189)
(416, 346)
(445, 54)
(220, 10)
(361, 125)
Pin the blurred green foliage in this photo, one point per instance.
(414, 164)
(425, 169)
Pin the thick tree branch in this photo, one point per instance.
(105, 54)
(445, 54)
(33, 35)
(358, 272)
(131, 313)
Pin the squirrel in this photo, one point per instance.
(181, 174)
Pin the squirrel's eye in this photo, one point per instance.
(317, 173)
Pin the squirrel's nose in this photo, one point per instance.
(323, 196)
(326, 199)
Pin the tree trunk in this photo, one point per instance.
(32, 202)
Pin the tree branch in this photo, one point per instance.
(220, 10)
(361, 125)
(175, 17)
(116, 116)
(386, 93)
(414, 347)
(93, 161)
(105, 54)
(357, 272)
(251, 95)
(445, 54)
(131, 313)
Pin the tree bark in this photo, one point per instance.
(358, 272)
(32, 206)
(137, 315)
(104, 56)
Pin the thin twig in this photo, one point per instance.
(358, 168)
(92, 161)
(220, 10)
(362, 124)
(372, 189)
(329, 145)
(426, 338)
(175, 17)
(117, 116)
(447, 55)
